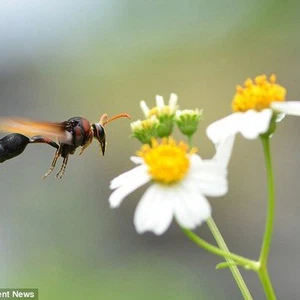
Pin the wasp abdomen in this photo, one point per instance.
(12, 145)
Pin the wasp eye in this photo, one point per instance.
(99, 132)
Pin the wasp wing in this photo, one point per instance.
(52, 130)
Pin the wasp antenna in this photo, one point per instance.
(104, 120)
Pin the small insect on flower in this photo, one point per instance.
(66, 137)
(179, 179)
(252, 108)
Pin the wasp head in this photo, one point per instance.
(99, 132)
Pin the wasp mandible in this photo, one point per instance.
(66, 137)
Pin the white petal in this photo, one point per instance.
(120, 193)
(212, 187)
(137, 160)
(128, 176)
(255, 123)
(209, 177)
(173, 101)
(191, 208)
(155, 210)
(136, 124)
(290, 107)
(204, 166)
(224, 150)
(195, 159)
(145, 108)
(159, 102)
(224, 128)
(250, 124)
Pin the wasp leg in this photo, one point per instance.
(62, 170)
(56, 156)
(43, 140)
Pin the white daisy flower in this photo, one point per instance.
(253, 107)
(180, 181)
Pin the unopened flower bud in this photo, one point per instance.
(187, 120)
(145, 130)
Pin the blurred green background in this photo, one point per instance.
(60, 59)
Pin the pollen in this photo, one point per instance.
(258, 95)
(168, 162)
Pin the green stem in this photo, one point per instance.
(221, 243)
(190, 140)
(271, 203)
(233, 268)
(265, 248)
(247, 263)
(266, 283)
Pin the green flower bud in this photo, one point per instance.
(187, 120)
(145, 130)
(165, 126)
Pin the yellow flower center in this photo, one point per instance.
(149, 123)
(258, 95)
(167, 162)
(153, 112)
(165, 110)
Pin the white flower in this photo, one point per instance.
(253, 110)
(180, 181)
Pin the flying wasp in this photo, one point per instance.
(66, 137)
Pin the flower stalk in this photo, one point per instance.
(266, 244)
(247, 263)
(222, 245)
(233, 268)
